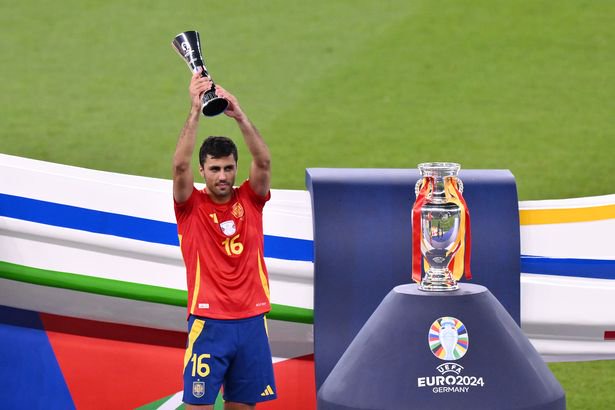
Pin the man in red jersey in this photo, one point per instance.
(221, 239)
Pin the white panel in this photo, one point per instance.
(581, 240)
(557, 350)
(582, 202)
(65, 302)
(92, 261)
(288, 214)
(567, 308)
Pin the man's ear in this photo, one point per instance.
(202, 171)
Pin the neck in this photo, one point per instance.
(219, 199)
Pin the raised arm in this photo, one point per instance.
(260, 168)
(183, 178)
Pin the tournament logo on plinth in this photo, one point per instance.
(448, 338)
(449, 341)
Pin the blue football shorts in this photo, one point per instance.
(233, 354)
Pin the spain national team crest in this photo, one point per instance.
(198, 389)
(228, 227)
(448, 338)
(237, 210)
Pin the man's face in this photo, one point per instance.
(219, 175)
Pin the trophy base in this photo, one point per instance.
(215, 106)
(438, 287)
(438, 280)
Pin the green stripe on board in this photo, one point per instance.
(218, 405)
(128, 290)
(291, 314)
(90, 284)
(156, 404)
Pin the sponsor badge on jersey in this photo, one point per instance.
(228, 227)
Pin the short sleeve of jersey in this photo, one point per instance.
(183, 209)
(258, 201)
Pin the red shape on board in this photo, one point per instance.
(113, 366)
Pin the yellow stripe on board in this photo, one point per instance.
(566, 215)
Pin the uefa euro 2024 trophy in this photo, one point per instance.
(441, 237)
(188, 46)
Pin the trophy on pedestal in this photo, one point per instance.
(188, 46)
(440, 228)
(413, 351)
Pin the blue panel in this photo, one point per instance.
(289, 248)
(30, 377)
(362, 245)
(90, 220)
(131, 227)
(584, 268)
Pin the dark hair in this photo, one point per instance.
(217, 147)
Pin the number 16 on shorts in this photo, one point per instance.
(200, 367)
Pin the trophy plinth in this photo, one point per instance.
(446, 350)
(188, 46)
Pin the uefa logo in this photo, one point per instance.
(448, 338)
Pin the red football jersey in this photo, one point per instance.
(222, 247)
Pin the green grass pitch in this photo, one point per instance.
(523, 85)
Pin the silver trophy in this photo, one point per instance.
(188, 46)
(441, 228)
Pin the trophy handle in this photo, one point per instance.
(417, 187)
